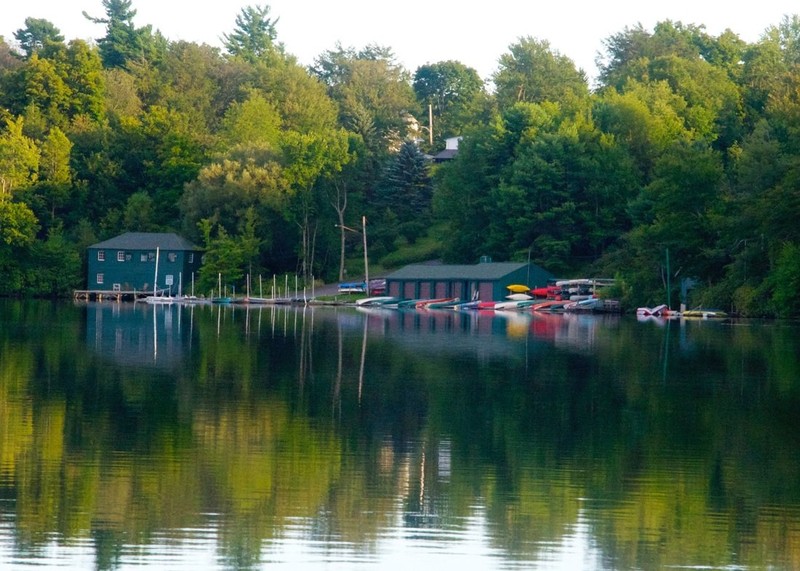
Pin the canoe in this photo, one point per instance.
(518, 296)
(508, 305)
(377, 300)
(426, 303)
(550, 305)
(447, 304)
(518, 288)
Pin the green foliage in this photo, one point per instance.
(456, 95)
(225, 256)
(55, 267)
(532, 72)
(406, 191)
(254, 36)
(373, 93)
(37, 34)
(123, 43)
(255, 121)
(786, 281)
(19, 158)
(689, 142)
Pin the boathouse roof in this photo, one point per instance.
(482, 271)
(146, 241)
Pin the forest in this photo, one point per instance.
(677, 172)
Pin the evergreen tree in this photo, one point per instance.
(37, 34)
(254, 36)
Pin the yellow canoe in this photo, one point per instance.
(518, 288)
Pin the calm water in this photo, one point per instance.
(331, 438)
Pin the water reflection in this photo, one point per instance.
(255, 437)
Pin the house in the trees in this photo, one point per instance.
(127, 263)
(449, 152)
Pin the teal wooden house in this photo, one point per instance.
(127, 263)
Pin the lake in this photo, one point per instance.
(234, 437)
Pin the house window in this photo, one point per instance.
(172, 256)
(120, 256)
(143, 258)
(101, 255)
(116, 287)
(100, 278)
(151, 256)
(191, 258)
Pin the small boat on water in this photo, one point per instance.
(444, 304)
(377, 300)
(426, 303)
(158, 298)
(510, 304)
(699, 313)
(220, 298)
(550, 305)
(589, 304)
(654, 311)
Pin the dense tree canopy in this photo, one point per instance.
(687, 143)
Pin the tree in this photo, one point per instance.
(254, 121)
(533, 72)
(37, 34)
(18, 224)
(124, 42)
(18, 228)
(44, 88)
(455, 93)
(82, 72)
(406, 191)
(373, 94)
(19, 158)
(223, 192)
(309, 158)
(55, 173)
(139, 214)
(254, 36)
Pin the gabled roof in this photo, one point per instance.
(146, 241)
(484, 271)
(445, 155)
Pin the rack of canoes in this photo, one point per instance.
(553, 306)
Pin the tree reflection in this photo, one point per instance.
(664, 444)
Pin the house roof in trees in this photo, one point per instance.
(146, 241)
(445, 155)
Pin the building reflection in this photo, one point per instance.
(138, 334)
